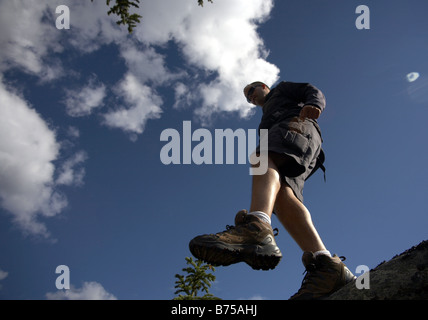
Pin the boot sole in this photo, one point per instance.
(258, 257)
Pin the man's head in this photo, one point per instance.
(256, 93)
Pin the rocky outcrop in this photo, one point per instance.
(404, 277)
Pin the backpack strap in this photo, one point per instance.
(319, 165)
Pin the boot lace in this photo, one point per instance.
(309, 274)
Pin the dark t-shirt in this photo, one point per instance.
(286, 101)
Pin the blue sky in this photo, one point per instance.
(82, 111)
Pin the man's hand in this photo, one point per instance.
(310, 112)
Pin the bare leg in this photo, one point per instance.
(265, 189)
(268, 194)
(297, 220)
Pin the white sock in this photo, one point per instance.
(261, 215)
(325, 252)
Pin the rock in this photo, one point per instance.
(404, 277)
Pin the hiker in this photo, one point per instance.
(290, 113)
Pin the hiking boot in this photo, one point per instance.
(250, 240)
(324, 275)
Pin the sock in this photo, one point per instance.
(261, 215)
(325, 252)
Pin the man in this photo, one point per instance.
(290, 111)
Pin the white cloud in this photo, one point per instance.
(147, 65)
(27, 149)
(91, 27)
(69, 175)
(217, 50)
(219, 45)
(89, 291)
(220, 38)
(82, 101)
(3, 274)
(30, 41)
(183, 96)
(254, 297)
(257, 297)
(142, 103)
(25, 41)
(73, 132)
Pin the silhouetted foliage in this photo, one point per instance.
(121, 9)
(201, 2)
(197, 279)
